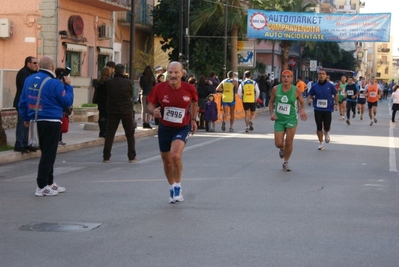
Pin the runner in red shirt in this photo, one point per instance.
(175, 104)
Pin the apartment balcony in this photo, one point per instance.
(111, 5)
(381, 62)
(383, 50)
(143, 17)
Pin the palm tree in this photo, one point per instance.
(292, 6)
(273, 5)
(215, 15)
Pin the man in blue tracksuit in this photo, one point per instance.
(325, 99)
(55, 96)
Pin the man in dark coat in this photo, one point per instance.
(22, 132)
(120, 108)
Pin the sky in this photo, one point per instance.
(385, 6)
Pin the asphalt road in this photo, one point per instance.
(338, 207)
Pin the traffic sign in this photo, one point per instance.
(313, 65)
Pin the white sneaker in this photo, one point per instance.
(171, 195)
(327, 137)
(321, 147)
(58, 188)
(45, 191)
(286, 167)
(178, 197)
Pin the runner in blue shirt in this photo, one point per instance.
(325, 101)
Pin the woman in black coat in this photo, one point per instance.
(147, 82)
(203, 90)
(101, 99)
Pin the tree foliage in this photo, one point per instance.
(206, 46)
(330, 55)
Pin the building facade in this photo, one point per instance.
(81, 34)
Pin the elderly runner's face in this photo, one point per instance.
(174, 73)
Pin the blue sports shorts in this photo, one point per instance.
(166, 135)
(229, 104)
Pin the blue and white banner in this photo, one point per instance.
(318, 27)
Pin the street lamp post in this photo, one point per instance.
(187, 26)
(131, 48)
(131, 56)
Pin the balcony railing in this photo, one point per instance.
(110, 5)
(381, 62)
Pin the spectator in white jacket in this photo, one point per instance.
(395, 101)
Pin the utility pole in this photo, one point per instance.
(131, 57)
(225, 40)
(181, 15)
(187, 28)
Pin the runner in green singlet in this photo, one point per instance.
(283, 106)
(341, 97)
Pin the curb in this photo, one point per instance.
(12, 156)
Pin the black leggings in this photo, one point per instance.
(323, 120)
(350, 106)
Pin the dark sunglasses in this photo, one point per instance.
(34, 63)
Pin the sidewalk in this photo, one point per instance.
(80, 135)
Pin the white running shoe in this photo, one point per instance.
(321, 147)
(178, 197)
(171, 195)
(57, 188)
(327, 137)
(45, 191)
(286, 167)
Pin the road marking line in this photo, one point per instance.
(158, 157)
(159, 180)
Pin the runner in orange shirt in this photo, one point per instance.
(302, 86)
(373, 93)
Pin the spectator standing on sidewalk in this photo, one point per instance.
(55, 97)
(175, 104)
(395, 101)
(203, 90)
(211, 112)
(264, 88)
(111, 65)
(102, 98)
(147, 82)
(22, 132)
(119, 108)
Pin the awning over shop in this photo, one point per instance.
(105, 51)
(337, 70)
(75, 47)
